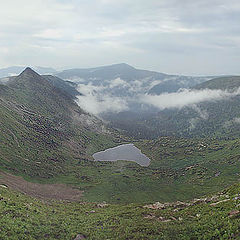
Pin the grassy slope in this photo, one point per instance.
(41, 140)
(48, 146)
(231, 82)
(180, 169)
(41, 130)
(120, 182)
(22, 216)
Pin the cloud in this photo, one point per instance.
(49, 34)
(118, 95)
(186, 97)
(95, 102)
(118, 82)
(149, 34)
(89, 89)
(203, 114)
(229, 123)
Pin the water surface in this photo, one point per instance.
(127, 152)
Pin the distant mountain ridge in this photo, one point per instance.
(219, 119)
(154, 80)
(122, 70)
(224, 83)
(114, 93)
(117, 88)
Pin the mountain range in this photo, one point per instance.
(120, 87)
(190, 189)
(44, 125)
(123, 76)
(149, 104)
(145, 104)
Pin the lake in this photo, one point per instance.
(127, 152)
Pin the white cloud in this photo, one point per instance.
(203, 114)
(89, 89)
(104, 98)
(149, 34)
(118, 82)
(229, 123)
(186, 97)
(49, 34)
(95, 102)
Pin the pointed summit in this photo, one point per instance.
(29, 72)
(124, 65)
(29, 78)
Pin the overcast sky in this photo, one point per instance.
(194, 37)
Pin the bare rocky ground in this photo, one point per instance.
(43, 191)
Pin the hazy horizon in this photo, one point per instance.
(185, 38)
(60, 69)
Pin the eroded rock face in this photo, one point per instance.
(181, 205)
(102, 205)
(80, 237)
(216, 203)
(156, 205)
(234, 213)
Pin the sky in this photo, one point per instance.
(190, 37)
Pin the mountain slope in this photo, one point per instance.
(223, 83)
(47, 138)
(43, 131)
(219, 118)
(174, 83)
(65, 86)
(212, 217)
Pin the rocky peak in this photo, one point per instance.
(29, 72)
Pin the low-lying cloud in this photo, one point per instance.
(229, 123)
(186, 97)
(94, 100)
(115, 97)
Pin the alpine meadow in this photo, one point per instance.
(119, 120)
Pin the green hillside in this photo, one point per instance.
(214, 217)
(216, 118)
(45, 138)
(47, 141)
(43, 132)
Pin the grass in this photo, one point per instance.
(22, 216)
(43, 139)
(180, 170)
